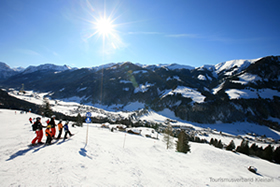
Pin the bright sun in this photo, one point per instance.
(104, 26)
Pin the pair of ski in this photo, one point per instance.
(36, 144)
(41, 143)
(44, 144)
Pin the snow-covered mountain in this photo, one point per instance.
(233, 66)
(167, 66)
(46, 67)
(6, 71)
(236, 90)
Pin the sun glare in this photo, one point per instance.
(104, 26)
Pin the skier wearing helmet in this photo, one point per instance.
(52, 124)
(48, 135)
(60, 127)
(39, 132)
(66, 130)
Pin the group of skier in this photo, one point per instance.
(50, 130)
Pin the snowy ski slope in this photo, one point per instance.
(109, 161)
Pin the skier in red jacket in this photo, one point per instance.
(39, 132)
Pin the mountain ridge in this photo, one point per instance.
(173, 66)
(237, 90)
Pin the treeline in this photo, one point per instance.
(268, 153)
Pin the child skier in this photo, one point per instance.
(52, 123)
(48, 135)
(39, 131)
(66, 130)
(60, 127)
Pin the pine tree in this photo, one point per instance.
(183, 142)
(231, 146)
(167, 137)
(197, 139)
(276, 155)
(253, 149)
(79, 120)
(244, 147)
(268, 153)
(259, 152)
(215, 142)
(211, 141)
(47, 108)
(220, 144)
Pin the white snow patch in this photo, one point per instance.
(238, 64)
(125, 81)
(126, 89)
(134, 106)
(74, 99)
(143, 88)
(188, 93)
(81, 89)
(218, 88)
(202, 77)
(252, 93)
(173, 78)
(239, 82)
(247, 77)
(140, 71)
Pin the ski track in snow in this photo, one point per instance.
(107, 161)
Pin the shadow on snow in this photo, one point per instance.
(83, 152)
(24, 151)
(34, 148)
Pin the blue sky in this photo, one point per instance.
(188, 32)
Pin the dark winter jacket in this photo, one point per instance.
(39, 125)
(66, 127)
(52, 123)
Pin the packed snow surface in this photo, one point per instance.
(119, 159)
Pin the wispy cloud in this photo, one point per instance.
(49, 51)
(234, 40)
(216, 38)
(28, 52)
(183, 35)
(145, 33)
(212, 38)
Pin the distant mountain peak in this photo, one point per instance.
(46, 67)
(6, 71)
(4, 66)
(234, 65)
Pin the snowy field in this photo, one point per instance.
(119, 159)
